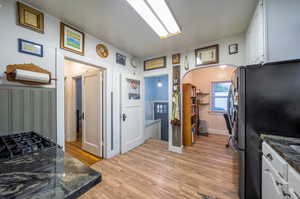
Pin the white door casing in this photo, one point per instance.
(131, 115)
(92, 106)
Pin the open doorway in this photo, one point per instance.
(157, 107)
(83, 111)
(205, 103)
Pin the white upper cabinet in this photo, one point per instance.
(255, 37)
(273, 34)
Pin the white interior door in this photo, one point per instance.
(92, 98)
(131, 113)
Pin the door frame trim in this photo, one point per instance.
(104, 99)
(167, 73)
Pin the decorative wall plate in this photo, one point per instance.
(134, 62)
(102, 50)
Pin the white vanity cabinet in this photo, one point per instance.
(279, 179)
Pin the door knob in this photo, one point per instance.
(124, 116)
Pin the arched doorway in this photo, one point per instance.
(205, 94)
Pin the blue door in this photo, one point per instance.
(161, 111)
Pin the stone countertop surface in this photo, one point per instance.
(49, 174)
(282, 146)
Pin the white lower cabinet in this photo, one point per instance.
(275, 185)
(294, 183)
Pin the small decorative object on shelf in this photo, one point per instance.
(121, 59)
(30, 48)
(30, 18)
(207, 55)
(71, 39)
(176, 59)
(233, 49)
(102, 50)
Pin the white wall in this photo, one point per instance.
(238, 59)
(53, 61)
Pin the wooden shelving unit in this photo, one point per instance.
(203, 100)
(190, 114)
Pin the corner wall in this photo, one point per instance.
(203, 78)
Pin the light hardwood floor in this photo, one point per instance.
(151, 171)
(74, 149)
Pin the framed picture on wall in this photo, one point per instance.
(233, 49)
(30, 18)
(30, 48)
(176, 59)
(155, 63)
(207, 55)
(71, 39)
(121, 59)
(134, 89)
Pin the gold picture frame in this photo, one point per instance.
(71, 39)
(30, 18)
(176, 58)
(155, 63)
(207, 55)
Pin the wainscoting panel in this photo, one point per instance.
(28, 109)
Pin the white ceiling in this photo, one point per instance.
(115, 22)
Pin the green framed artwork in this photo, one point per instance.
(71, 39)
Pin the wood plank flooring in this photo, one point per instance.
(75, 150)
(151, 171)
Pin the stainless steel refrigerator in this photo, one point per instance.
(268, 102)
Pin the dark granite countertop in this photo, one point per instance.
(49, 174)
(282, 146)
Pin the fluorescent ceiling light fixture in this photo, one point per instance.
(162, 10)
(146, 13)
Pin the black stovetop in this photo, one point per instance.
(18, 145)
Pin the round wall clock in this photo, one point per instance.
(102, 50)
(134, 62)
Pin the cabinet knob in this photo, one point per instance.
(286, 194)
(278, 183)
(269, 156)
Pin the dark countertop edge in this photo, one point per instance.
(281, 154)
(85, 188)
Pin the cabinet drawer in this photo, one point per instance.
(294, 182)
(273, 186)
(276, 161)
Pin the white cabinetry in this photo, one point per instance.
(273, 185)
(294, 183)
(282, 19)
(273, 34)
(255, 38)
(279, 180)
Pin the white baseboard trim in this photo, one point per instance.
(218, 131)
(175, 149)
